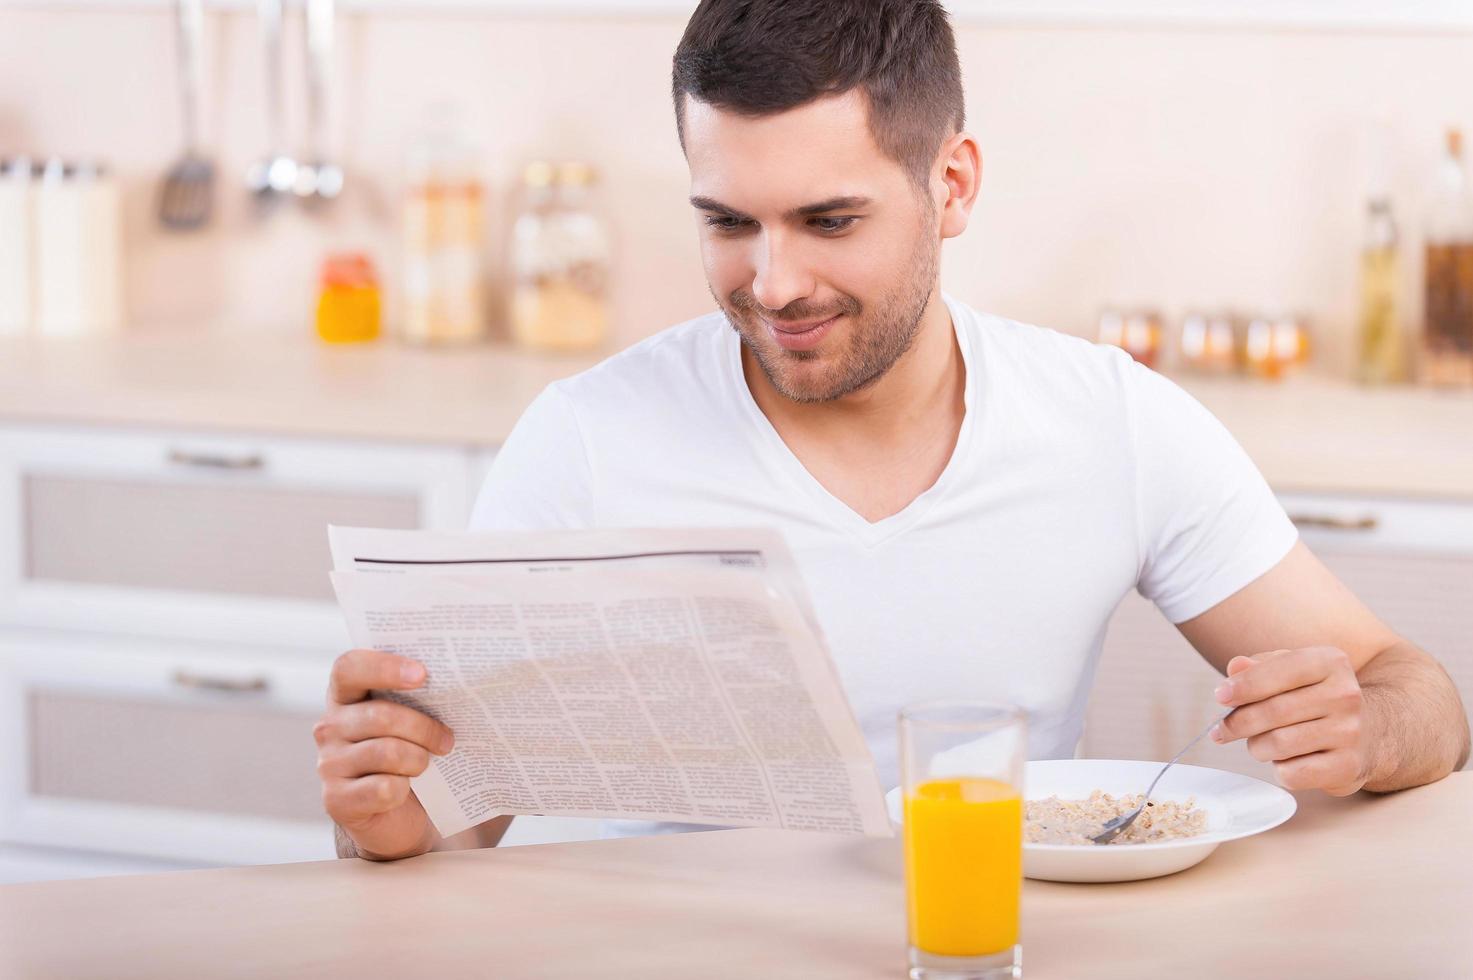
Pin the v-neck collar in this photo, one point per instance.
(834, 510)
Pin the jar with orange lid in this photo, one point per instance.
(348, 301)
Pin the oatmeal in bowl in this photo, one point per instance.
(1058, 821)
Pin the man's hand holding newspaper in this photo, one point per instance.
(657, 675)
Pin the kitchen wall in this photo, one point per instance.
(1176, 167)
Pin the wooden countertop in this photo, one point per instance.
(1305, 434)
(278, 385)
(1359, 887)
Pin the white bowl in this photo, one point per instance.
(1237, 806)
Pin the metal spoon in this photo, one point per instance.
(318, 180)
(272, 178)
(188, 191)
(1117, 826)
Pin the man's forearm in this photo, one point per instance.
(1417, 724)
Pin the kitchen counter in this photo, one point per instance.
(1360, 887)
(1308, 434)
(278, 385)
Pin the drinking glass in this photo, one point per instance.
(962, 784)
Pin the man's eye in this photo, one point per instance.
(723, 222)
(830, 225)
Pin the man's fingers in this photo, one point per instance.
(1292, 741)
(375, 755)
(1335, 772)
(1239, 664)
(357, 672)
(1279, 711)
(1277, 674)
(384, 719)
(351, 800)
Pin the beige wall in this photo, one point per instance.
(1168, 167)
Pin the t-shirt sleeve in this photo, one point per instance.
(1206, 520)
(540, 478)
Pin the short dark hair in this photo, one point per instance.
(758, 57)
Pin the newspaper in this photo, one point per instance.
(670, 675)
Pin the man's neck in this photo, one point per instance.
(922, 388)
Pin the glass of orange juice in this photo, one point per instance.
(961, 765)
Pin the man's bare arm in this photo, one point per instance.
(1325, 690)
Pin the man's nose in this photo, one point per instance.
(781, 275)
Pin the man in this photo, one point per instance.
(969, 498)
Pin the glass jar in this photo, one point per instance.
(348, 299)
(1138, 333)
(444, 239)
(1447, 332)
(560, 261)
(1208, 343)
(1275, 346)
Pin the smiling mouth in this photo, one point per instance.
(799, 337)
(799, 328)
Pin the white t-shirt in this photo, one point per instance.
(1077, 475)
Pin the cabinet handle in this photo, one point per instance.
(1365, 522)
(218, 461)
(231, 685)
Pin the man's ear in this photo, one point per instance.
(957, 176)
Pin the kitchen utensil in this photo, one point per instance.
(318, 180)
(274, 176)
(1115, 827)
(187, 194)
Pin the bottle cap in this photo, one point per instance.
(348, 269)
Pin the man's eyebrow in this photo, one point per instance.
(716, 207)
(844, 203)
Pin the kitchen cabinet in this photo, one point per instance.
(167, 626)
(1410, 561)
(160, 748)
(218, 537)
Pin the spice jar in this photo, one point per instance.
(1275, 346)
(348, 299)
(560, 261)
(444, 237)
(1207, 343)
(1137, 333)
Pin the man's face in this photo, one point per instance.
(817, 246)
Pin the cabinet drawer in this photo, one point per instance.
(209, 538)
(249, 759)
(1339, 523)
(160, 750)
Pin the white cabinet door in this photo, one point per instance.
(1411, 562)
(205, 537)
(159, 749)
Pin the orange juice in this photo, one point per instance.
(963, 866)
